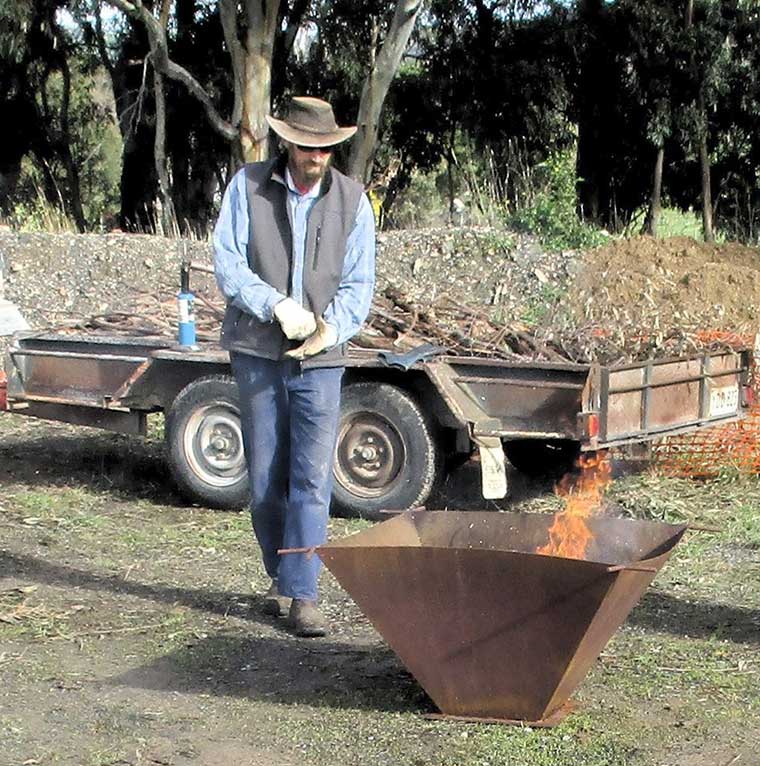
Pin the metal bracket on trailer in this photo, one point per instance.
(493, 472)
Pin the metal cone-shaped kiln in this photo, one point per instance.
(490, 628)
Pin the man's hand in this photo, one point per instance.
(297, 323)
(324, 337)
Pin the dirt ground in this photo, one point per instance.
(130, 633)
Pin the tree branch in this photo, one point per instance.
(228, 17)
(376, 87)
(172, 70)
(101, 41)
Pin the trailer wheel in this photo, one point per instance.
(204, 443)
(386, 456)
(534, 457)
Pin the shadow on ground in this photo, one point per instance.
(322, 672)
(696, 619)
(131, 467)
(657, 611)
(222, 603)
(134, 468)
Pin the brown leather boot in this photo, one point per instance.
(305, 619)
(274, 603)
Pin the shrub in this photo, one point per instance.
(550, 212)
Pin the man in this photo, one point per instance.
(295, 259)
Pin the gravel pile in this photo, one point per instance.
(54, 277)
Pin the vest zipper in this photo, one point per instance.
(316, 249)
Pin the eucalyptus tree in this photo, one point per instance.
(250, 38)
(736, 123)
(650, 52)
(501, 74)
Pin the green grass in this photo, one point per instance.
(679, 223)
(155, 426)
(68, 505)
(22, 613)
(578, 740)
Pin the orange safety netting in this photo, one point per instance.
(707, 453)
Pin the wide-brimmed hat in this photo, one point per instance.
(310, 122)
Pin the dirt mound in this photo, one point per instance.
(679, 282)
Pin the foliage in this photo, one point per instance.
(551, 213)
(96, 150)
(34, 212)
(421, 204)
(488, 92)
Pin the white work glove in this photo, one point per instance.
(297, 323)
(324, 337)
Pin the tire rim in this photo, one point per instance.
(370, 455)
(213, 444)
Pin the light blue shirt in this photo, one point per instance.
(245, 289)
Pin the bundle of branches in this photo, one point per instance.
(397, 323)
(465, 330)
(618, 343)
(152, 314)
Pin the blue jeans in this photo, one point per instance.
(289, 419)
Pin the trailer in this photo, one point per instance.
(405, 419)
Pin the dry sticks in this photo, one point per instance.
(398, 323)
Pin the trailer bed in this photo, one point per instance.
(598, 406)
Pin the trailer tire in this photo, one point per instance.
(536, 458)
(386, 456)
(204, 443)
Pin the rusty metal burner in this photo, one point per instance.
(490, 628)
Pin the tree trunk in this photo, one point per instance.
(159, 154)
(398, 183)
(376, 88)
(182, 110)
(655, 203)
(72, 173)
(450, 184)
(159, 138)
(689, 14)
(704, 155)
(704, 161)
(257, 81)
(593, 181)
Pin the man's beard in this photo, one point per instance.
(316, 171)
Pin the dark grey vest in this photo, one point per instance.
(270, 253)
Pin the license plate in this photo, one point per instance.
(724, 401)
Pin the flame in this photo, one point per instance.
(570, 535)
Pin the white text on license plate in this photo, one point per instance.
(724, 401)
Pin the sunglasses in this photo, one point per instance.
(309, 149)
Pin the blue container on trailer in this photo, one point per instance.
(186, 309)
